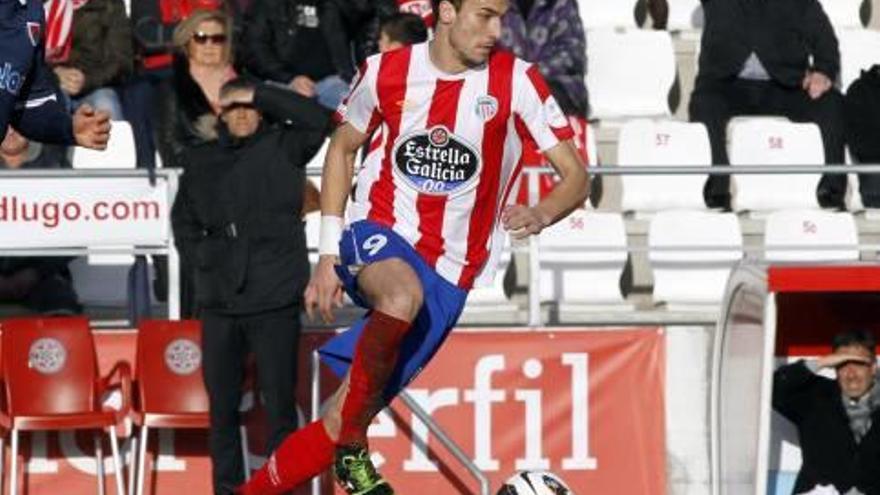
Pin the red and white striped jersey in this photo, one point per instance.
(448, 153)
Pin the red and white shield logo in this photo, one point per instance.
(33, 30)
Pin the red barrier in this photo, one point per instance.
(585, 404)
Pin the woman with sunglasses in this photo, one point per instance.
(189, 102)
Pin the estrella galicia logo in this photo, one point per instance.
(10, 80)
(436, 161)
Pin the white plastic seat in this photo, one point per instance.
(631, 72)
(571, 275)
(774, 141)
(645, 142)
(684, 15)
(120, 152)
(833, 235)
(843, 13)
(693, 276)
(859, 49)
(604, 14)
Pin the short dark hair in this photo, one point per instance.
(405, 27)
(861, 338)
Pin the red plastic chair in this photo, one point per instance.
(170, 389)
(51, 382)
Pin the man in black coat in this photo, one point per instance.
(769, 57)
(838, 421)
(313, 46)
(238, 223)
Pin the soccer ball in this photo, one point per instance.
(534, 483)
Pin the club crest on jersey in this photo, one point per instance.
(486, 107)
(33, 31)
(436, 161)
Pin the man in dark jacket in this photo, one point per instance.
(838, 421)
(769, 57)
(312, 45)
(238, 222)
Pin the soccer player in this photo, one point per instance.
(430, 197)
(28, 100)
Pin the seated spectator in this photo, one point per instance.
(769, 58)
(401, 30)
(863, 126)
(153, 24)
(40, 284)
(90, 51)
(305, 44)
(189, 102)
(560, 55)
(837, 420)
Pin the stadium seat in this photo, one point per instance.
(832, 235)
(631, 72)
(582, 258)
(859, 49)
(491, 301)
(774, 141)
(684, 15)
(694, 276)
(645, 142)
(170, 392)
(51, 382)
(604, 14)
(843, 14)
(120, 152)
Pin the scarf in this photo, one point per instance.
(59, 28)
(859, 411)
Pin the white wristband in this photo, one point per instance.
(331, 232)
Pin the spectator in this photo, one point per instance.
(90, 51)
(307, 45)
(836, 418)
(549, 34)
(776, 58)
(40, 284)
(190, 99)
(153, 24)
(400, 30)
(421, 8)
(238, 219)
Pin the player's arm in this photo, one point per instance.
(324, 290)
(568, 194)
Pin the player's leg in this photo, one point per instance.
(304, 454)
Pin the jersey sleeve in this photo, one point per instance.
(537, 108)
(361, 103)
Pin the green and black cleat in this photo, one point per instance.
(355, 473)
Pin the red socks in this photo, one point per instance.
(304, 454)
(375, 358)
(309, 451)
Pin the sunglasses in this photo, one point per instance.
(202, 38)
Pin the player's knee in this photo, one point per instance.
(400, 303)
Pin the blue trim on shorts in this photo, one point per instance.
(366, 242)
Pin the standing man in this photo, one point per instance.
(238, 221)
(429, 197)
(838, 421)
(28, 99)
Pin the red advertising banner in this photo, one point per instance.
(585, 404)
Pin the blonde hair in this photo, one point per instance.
(188, 27)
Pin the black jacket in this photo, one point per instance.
(237, 216)
(184, 116)
(350, 29)
(784, 34)
(830, 453)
